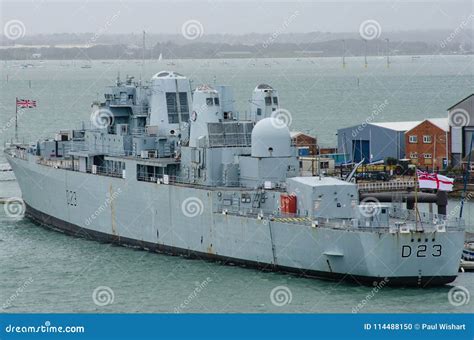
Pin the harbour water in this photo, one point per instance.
(45, 271)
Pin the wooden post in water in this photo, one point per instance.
(388, 52)
(343, 53)
(365, 54)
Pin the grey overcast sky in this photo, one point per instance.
(233, 16)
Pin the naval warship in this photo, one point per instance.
(176, 170)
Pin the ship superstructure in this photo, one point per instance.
(180, 171)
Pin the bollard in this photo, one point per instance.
(442, 202)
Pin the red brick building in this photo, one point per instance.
(428, 144)
(302, 140)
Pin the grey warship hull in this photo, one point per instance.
(175, 170)
(150, 216)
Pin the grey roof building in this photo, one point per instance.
(461, 121)
(373, 141)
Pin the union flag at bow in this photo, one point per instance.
(434, 181)
(25, 103)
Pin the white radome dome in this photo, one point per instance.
(271, 138)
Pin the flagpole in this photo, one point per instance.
(16, 119)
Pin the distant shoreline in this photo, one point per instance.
(227, 49)
(414, 56)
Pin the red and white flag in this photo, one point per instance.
(25, 103)
(434, 181)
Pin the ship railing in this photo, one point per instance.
(160, 179)
(121, 102)
(424, 217)
(168, 179)
(65, 164)
(18, 152)
(107, 151)
(138, 131)
(106, 171)
(392, 226)
(73, 165)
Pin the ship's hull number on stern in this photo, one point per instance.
(422, 250)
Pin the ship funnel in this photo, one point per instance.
(264, 102)
(206, 109)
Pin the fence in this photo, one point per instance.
(400, 219)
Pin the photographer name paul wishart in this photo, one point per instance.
(443, 327)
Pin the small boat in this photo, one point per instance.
(6, 172)
(23, 66)
(468, 251)
(86, 66)
(5, 167)
(466, 266)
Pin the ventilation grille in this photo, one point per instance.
(230, 134)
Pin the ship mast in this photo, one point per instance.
(144, 47)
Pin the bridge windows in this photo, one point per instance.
(212, 101)
(107, 167)
(149, 173)
(152, 173)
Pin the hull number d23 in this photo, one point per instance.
(422, 250)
